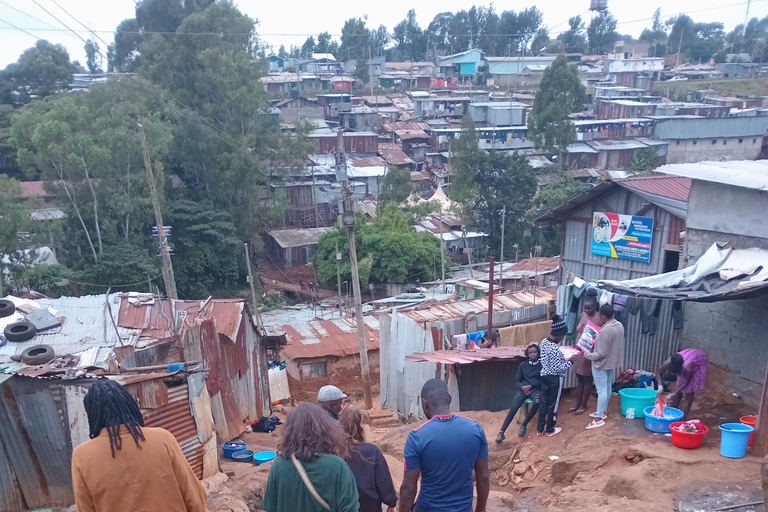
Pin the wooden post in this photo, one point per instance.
(490, 300)
(760, 444)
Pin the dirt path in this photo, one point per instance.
(621, 466)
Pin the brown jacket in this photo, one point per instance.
(609, 347)
(154, 477)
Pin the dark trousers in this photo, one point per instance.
(518, 402)
(550, 385)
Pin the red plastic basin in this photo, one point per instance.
(686, 440)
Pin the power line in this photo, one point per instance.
(20, 29)
(27, 14)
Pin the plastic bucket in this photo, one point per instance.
(637, 399)
(686, 440)
(734, 439)
(232, 447)
(751, 421)
(661, 425)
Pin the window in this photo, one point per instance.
(714, 141)
(677, 143)
(741, 141)
(695, 142)
(725, 142)
(314, 370)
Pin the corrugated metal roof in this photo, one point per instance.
(532, 266)
(467, 356)
(297, 237)
(85, 325)
(503, 302)
(322, 338)
(745, 174)
(412, 134)
(33, 189)
(393, 154)
(673, 187)
(616, 145)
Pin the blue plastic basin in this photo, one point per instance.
(243, 455)
(262, 457)
(232, 447)
(661, 425)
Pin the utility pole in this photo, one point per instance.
(348, 221)
(746, 19)
(165, 251)
(338, 275)
(501, 262)
(490, 302)
(253, 287)
(442, 251)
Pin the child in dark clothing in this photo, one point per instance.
(528, 385)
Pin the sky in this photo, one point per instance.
(292, 23)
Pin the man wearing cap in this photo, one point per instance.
(330, 399)
(553, 368)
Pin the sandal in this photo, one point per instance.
(555, 432)
(580, 412)
(574, 408)
(597, 416)
(539, 433)
(595, 424)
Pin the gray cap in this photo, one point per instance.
(329, 394)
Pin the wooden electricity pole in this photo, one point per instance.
(348, 221)
(165, 251)
(338, 274)
(501, 262)
(442, 252)
(253, 287)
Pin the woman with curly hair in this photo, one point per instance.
(374, 483)
(310, 474)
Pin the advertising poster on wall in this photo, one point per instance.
(625, 237)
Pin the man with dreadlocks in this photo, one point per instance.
(126, 467)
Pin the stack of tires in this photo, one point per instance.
(24, 330)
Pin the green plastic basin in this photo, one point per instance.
(637, 399)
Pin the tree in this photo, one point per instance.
(308, 48)
(93, 57)
(323, 43)
(466, 157)
(602, 33)
(389, 251)
(561, 188)
(123, 264)
(683, 35)
(379, 40)
(40, 71)
(657, 35)
(355, 40)
(282, 53)
(503, 180)
(560, 94)
(751, 39)
(644, 162)
(409, 39)
(208, 252)
(123, 54)
(397, 186)
(540, 42)
(15, 219)
(573, 39)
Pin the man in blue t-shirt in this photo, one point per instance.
(444, 451)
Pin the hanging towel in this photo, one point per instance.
(634, 305)
(677, 314)
(606, 298)
(524, 334)
(619, 302)
(649, 315)
(459, 340)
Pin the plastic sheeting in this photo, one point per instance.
(278, 384)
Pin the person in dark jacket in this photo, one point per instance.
(527, 385)
(374, 483)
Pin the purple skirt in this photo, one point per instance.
(700, 361)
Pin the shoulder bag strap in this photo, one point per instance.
(308, 483)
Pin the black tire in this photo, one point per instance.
(20, 331)
(39, 354)
(7, 308)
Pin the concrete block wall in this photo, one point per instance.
(734, 334)
(704, 150)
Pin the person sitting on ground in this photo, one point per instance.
(374, 483)
(309, 474)
(582, 366)
(127, 467)
(444, 452)
(690, 366)
(606, 357)
(528, 385)
(331, 399)
(553, 368)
